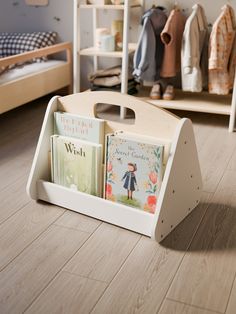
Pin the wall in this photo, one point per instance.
(212, 8)
(15, 15)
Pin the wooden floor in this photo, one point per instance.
(56, 261)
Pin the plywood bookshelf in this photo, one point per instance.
(182, 183)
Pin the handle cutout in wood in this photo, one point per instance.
(111, 112)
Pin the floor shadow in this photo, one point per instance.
(200, 118)
(20, 128)
(216, 232)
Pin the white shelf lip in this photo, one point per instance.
(115, 213)
(199, 106)
(93, 51)
(108, 6)
(199, 102)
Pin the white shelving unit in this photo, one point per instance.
(198, 102)
(128, 48)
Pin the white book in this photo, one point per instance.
(74, 125)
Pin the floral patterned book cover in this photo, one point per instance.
(134, 172)
(76, 164)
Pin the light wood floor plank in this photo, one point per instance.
(25, 278)
(19, 131)
(12, 170)
(145, 277)
(214, 143)
(104, 253)
(172, 307)
(214, 157)
(201, 133)
(20, 150)
(68, 294)
(16, 158)
(231, 308)
(20, 135)
(207, 272)
(142, 280)
(232, 163)
(13, 198)
(78, 221)
(23, 227)
(19, 117)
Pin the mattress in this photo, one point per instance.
(27, 69)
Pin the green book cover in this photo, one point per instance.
(76, 164)
(74, 125)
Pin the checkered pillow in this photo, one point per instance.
(16, 43)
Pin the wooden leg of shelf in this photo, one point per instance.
(232, 113)
(232, 122)
(123, 113)
(233, 108)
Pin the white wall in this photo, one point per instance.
(15, 16)
(212, 7)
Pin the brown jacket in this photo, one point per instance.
(222, 52)
(171, 36)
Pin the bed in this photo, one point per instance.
(31, 81)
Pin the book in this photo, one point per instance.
(133, 171)
(76, 164)
(74, 125)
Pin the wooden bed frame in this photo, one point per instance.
(27, 88)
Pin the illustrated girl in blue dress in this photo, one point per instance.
(130, 180)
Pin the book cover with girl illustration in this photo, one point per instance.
(134, 171)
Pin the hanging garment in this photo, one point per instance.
(171, 37)
(149, 53)
(221, 52)
(194, 51)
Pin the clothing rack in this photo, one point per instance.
(199, 102)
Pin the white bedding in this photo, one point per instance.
(28, 69)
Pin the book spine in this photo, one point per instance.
(52, 159)
(55, 129)
(100, 171)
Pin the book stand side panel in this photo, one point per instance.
(182, 184)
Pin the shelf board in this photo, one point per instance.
(199, 102)
(92, 51)
(135, 4)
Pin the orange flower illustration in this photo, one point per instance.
(108, 189)
(153, 177)
(109, 166)
(151, 200)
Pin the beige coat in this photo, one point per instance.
(222, 52)
(194, 52)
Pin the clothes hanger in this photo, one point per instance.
(176, 6)
(154, 6)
